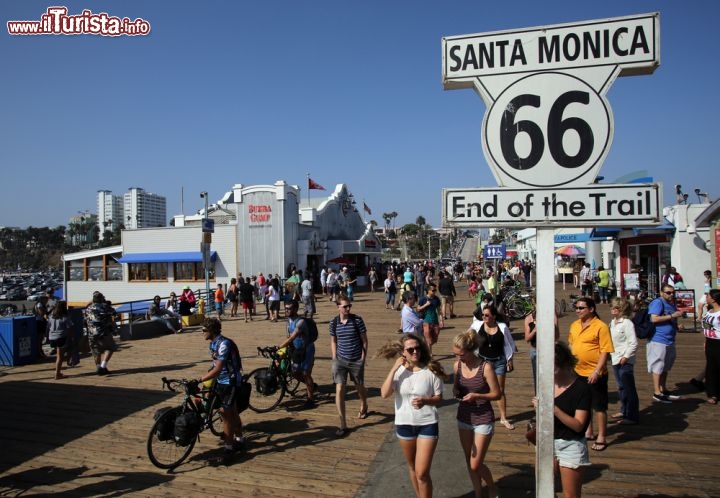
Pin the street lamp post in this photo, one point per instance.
(206, 254)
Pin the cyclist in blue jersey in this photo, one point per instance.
(227, 371)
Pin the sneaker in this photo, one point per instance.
(671, 397)
(661, 398)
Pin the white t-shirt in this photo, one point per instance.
(408, 385)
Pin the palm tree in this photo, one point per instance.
(393, 215)
(388, 218)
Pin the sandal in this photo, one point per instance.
(60, 376)
(616, 415)
(341, 432)
(598, 446)
(712, 400)
(591, 438)
(362, 414)
(507, 425)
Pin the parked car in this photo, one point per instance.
(36, 296)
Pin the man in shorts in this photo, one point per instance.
(100, 323)
(349, 345)
(661, 348)
(303, 351)
(227, 371)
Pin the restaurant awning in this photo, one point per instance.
(165, 257)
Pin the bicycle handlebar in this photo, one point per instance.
(267, 351)
(189, 386)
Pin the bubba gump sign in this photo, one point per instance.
(259, 213)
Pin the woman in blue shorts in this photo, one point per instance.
(417, 382)
(476, 385)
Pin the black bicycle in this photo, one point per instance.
(271, 383)
(177, 429)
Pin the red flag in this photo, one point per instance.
(313, 185)
(366, 208)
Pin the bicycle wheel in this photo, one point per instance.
(216, 423)
(291, 384)
(517, 308)
(271, 395)
(163, 451)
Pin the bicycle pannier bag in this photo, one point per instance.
(265, 382)
(242, 400)
(165, 429)
(187, 426)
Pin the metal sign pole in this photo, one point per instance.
(545, 362)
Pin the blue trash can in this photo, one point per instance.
(18, 340)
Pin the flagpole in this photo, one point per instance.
(364, 222)
(308, 188)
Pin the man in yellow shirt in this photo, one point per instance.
(591, 343)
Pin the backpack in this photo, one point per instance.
(312, 330)
(644, 328)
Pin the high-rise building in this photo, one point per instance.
(110, 211)
(144, 209)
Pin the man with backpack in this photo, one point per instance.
(302, 334)
(227, 371)
(661, 347)
(349, 345)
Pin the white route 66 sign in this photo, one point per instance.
(547, 122)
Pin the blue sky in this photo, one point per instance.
(227, 92)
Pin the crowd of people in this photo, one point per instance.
(483, 358)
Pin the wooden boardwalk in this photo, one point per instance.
(86, 435)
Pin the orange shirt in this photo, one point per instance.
(219, 296)
(587, 343)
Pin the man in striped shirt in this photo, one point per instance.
(349, 344)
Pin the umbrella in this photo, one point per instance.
(570, 250)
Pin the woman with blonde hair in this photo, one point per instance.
(475, 385)
(417, 382)
(625, 344)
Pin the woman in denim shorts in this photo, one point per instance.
(572, 417)
(417, 382)
(476, 385)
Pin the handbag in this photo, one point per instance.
(531, 431)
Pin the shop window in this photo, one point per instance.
(114, 271)
(95, 269)
(76, 270)
(192, 271)
(138, 271)
(158, 271)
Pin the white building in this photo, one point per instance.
(110, 211)
(144, 209)
(260, 228)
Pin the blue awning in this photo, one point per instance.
(604, 233)
(165, 257)
(666, 227)
(569, 238)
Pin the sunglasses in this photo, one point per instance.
(578, 308)
(412, 350)
(346, 306)
(669, 293)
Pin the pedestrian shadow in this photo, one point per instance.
(110, 483)
(656, 419)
